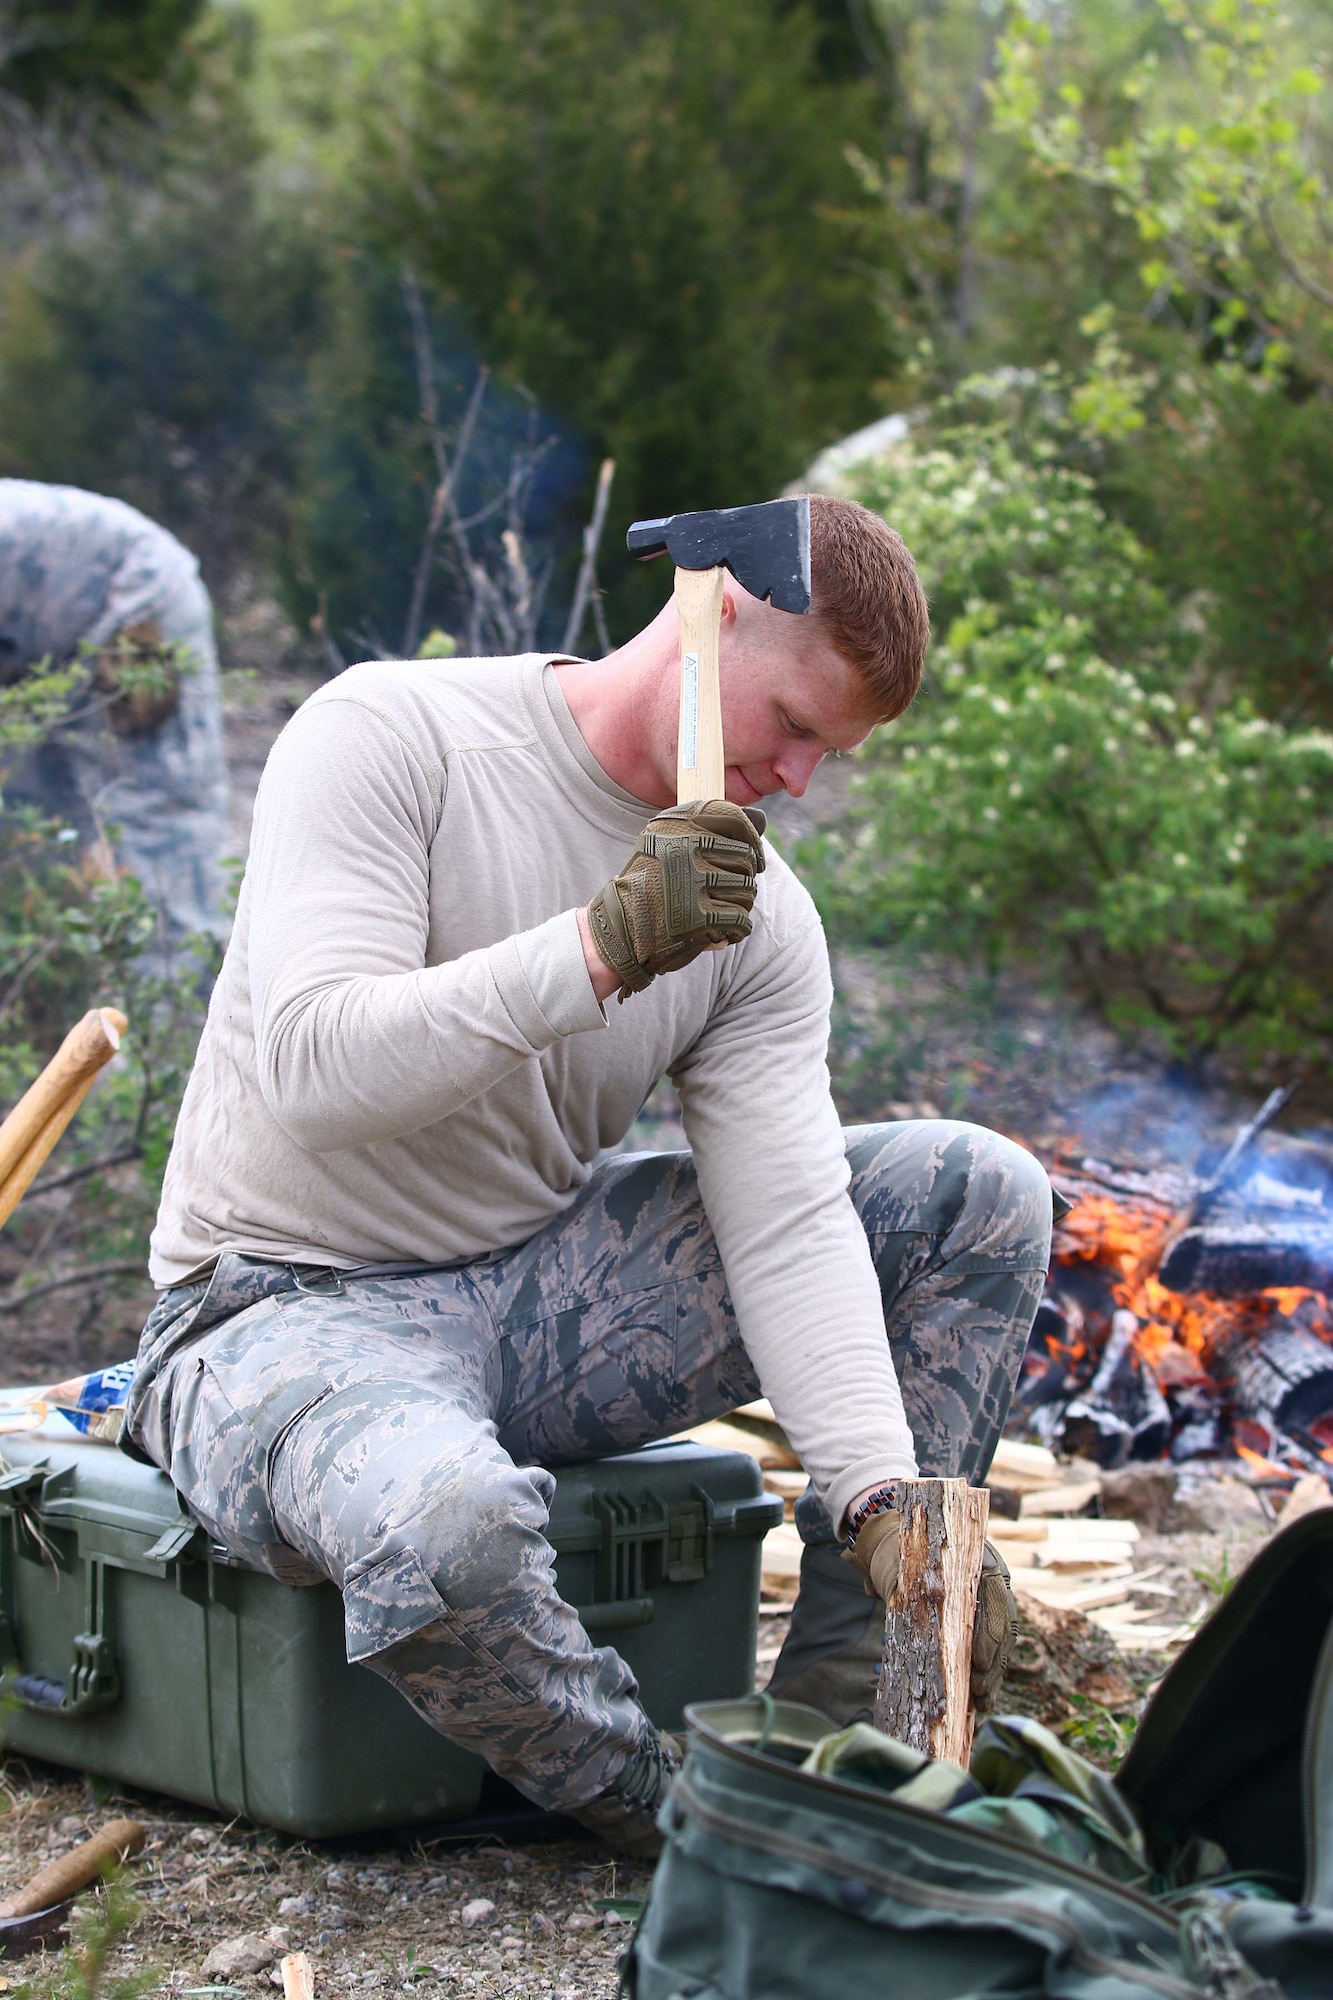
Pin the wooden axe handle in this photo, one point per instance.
(36, 1120)
(701, 770)
(25, 1173)
(79, 1869)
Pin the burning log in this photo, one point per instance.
(1285, 1383)
(1123, 1414)
(1184, 1318)
(1236, 1259)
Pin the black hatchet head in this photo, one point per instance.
(766, 548)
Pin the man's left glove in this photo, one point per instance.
(995, 1627)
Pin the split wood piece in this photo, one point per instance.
(701, 771)
(79, 1869)
(46, 1108)
(791, 1485)
(1116, 1558)
(298, 1977)
(1059, 1499)
(1062, 1574)
(1023, 1468)
(781, 1554)
(1055, 1529)
(719, 1435)
(924, 1697)
(1072, 1596)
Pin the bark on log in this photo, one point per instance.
(924, 1697)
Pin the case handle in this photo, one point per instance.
(93, 1679)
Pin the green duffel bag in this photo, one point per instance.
(1206, 1869)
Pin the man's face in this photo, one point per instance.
(788, 697)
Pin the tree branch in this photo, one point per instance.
(587, 578)
(137, 1269)
(447, 475)
(83, 1173)
(1309, 285)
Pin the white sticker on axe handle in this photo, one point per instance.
(689, 711)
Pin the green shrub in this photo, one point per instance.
(1068, 789)
(74, 934)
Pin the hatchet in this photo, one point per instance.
(767, 550)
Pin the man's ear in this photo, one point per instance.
(728, 604)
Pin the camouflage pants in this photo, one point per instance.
(393, 1431)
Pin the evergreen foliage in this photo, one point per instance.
(647, 216)
(99, 52)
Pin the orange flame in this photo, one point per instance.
(1178, 1332)
(1265, 1466)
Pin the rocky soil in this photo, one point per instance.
(215, 1906)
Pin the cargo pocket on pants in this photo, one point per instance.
(393, 1599)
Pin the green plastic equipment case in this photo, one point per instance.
(133, 1649)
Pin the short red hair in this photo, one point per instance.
(868, 596)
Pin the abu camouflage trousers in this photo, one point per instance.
(393, 1430)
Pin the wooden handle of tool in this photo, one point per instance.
(42, 1113)
(79, 1869)
(701, 771)
(925, 1696)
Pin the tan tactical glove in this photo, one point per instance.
(875, 1551)
(689, 883)
(995, 1627)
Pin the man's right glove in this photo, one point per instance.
(689, 883)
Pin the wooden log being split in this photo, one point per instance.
(924, 1696)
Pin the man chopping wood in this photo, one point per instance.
(401, 1277)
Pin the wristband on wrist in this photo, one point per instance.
(884, 1500)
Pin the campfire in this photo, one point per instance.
(1188, 1318)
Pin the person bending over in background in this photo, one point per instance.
(141, 751)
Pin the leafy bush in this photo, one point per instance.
(74, 934)
(1070, 789)
(1210, 140)
(1235, 496)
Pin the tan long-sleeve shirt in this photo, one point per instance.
(404, 1058)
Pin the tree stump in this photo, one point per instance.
(924, 1696)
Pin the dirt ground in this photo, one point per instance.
(523, 1921)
